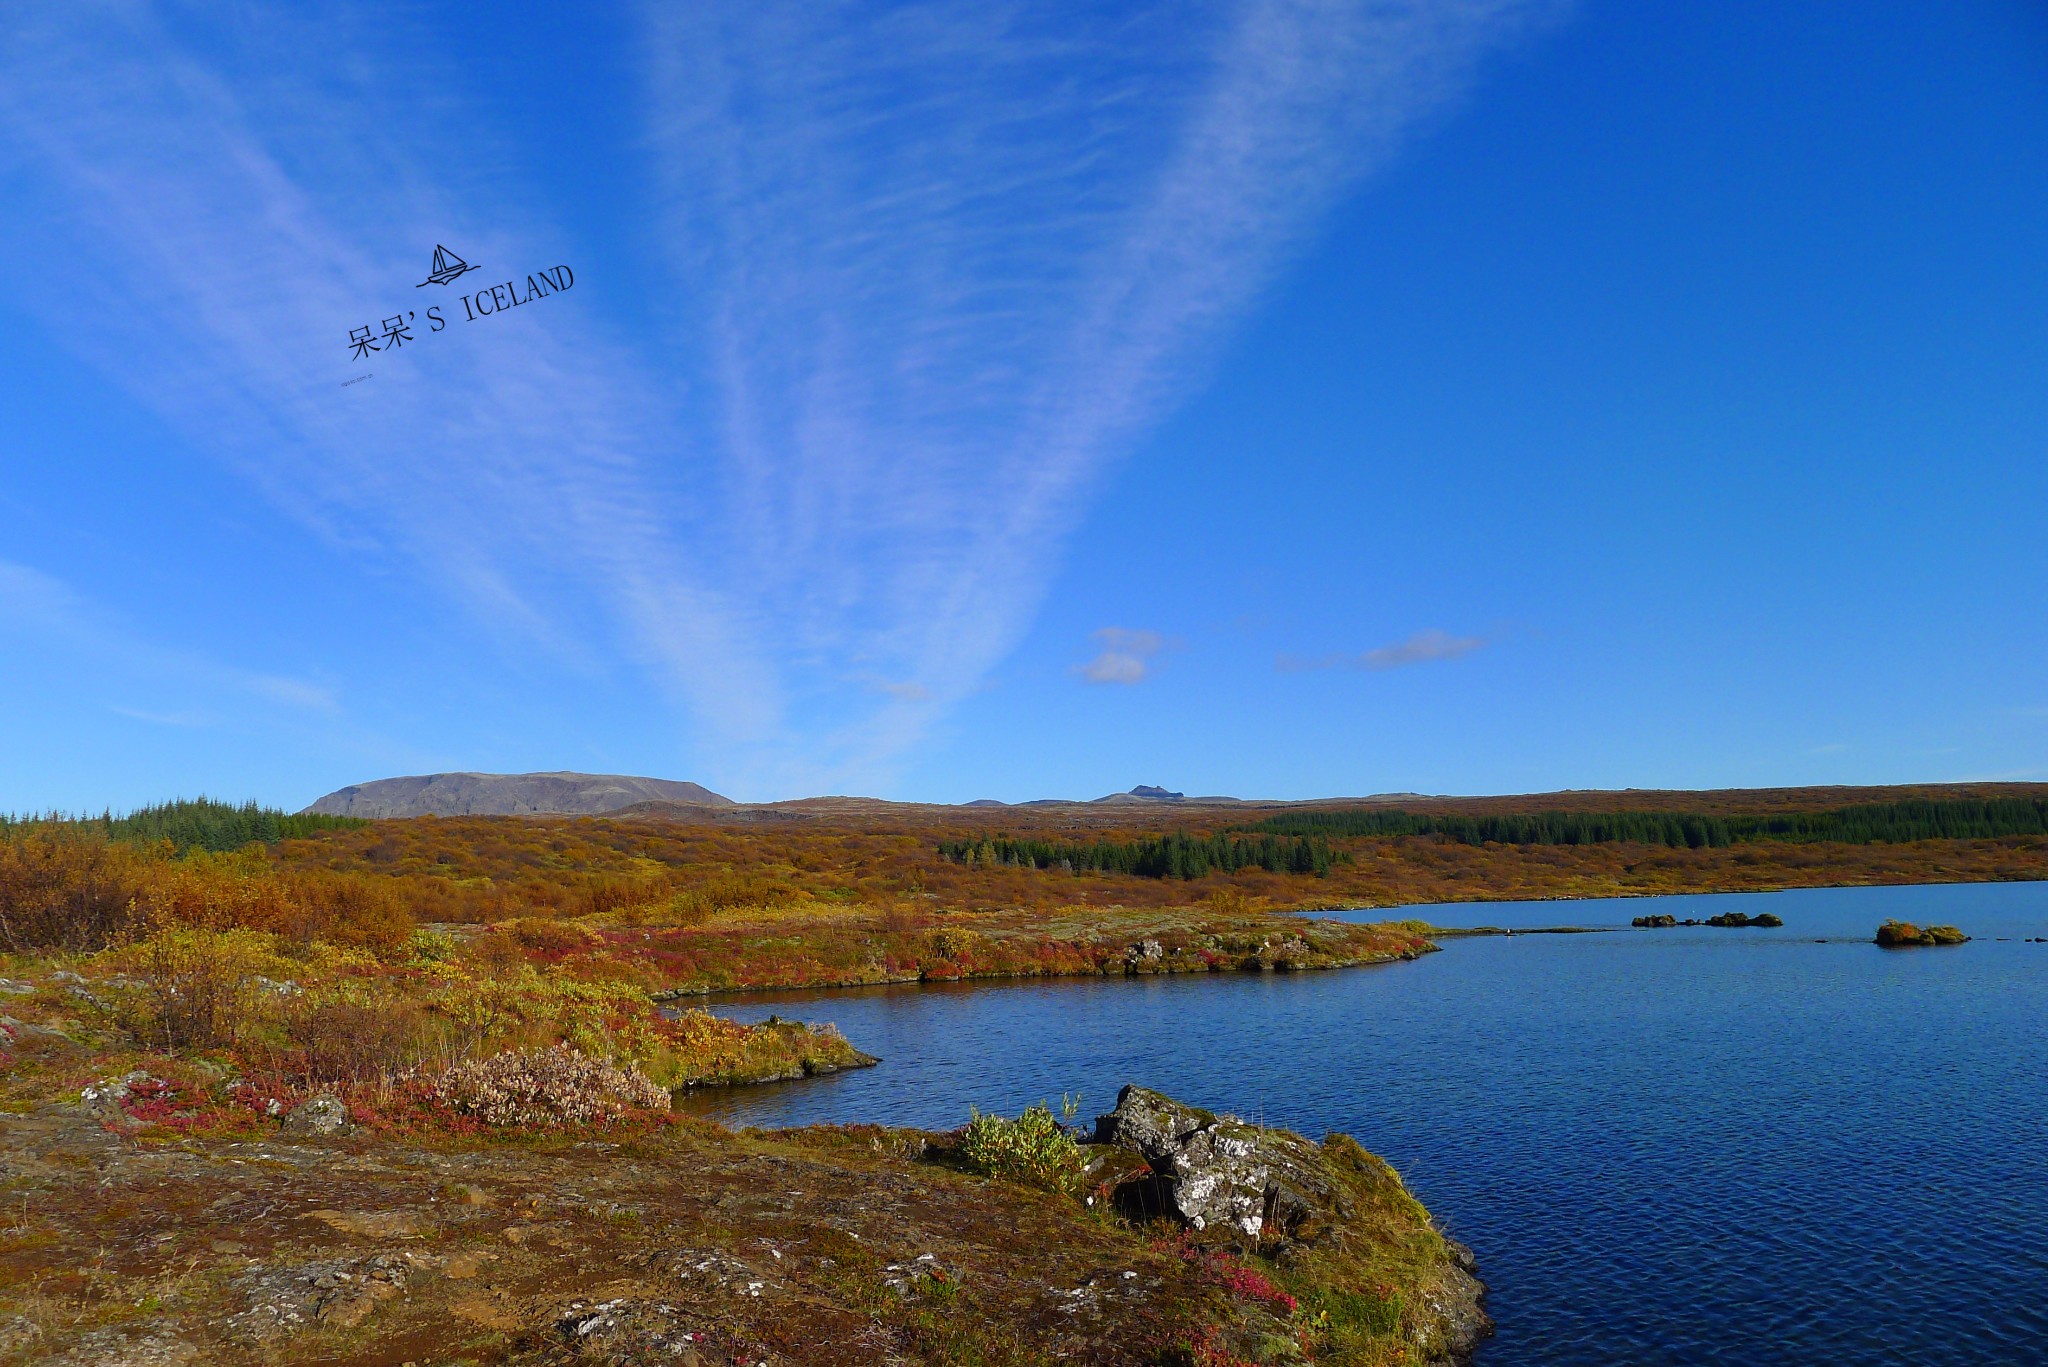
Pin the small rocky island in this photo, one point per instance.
(1730, 920)
(1906, 935)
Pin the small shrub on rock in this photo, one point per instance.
(1034, 1149)
(547, 1088)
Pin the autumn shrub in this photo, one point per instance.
(954, 943)
(545, 935)
(545, 1089)
(237, 891)
(607, 897)
(427, 948)
(360, 913)
(697, 1047)
(200, 988)
(352, 1042)
(67, 891)
(529, 1009)
(1034, 1149)
(899, 918)
(1232, 901)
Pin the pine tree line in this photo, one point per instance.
(1865, 824)
(1171, 856)
(191, 824)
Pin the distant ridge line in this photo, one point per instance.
(557, 793)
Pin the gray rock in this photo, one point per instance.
(1220, 1176)
(337, 1292)
(632, 1330)
(320, 1115)
(104, 1098)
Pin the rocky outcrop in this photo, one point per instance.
(1251, 1188)
(468, 794)
(1220, 1177)
(1727, 920)
(1906, 935)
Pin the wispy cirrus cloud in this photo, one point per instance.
(1126, 656)
(246, 207)
(957, 256)
(935, 266)
(1424, 647)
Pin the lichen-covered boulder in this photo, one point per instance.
(1220, 1176)
(105, 1098)
(320, 1115)
(1331, 1207)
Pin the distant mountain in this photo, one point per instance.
(508, 795)
(1144, 792)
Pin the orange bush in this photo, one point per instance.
(67, 891)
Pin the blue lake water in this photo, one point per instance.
(1677, 1146)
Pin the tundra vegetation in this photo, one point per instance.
(499, 1008)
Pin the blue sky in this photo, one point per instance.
(969, 400)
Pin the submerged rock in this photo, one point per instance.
(1736, 920)
(1727, 920)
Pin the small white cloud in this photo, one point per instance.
(908, 690)
(1421, 648)
(294, 692)
(1126, 656)
(1115, 667)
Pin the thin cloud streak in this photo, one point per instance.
(41, 608)
(1424, 647)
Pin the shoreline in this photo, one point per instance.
(666, 996)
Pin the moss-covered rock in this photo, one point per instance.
(1906, 935)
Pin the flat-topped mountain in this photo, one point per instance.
(509, 795)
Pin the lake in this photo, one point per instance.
(1672, 1146)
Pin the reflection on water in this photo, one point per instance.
(1674, 1146)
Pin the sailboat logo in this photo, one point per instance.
(447, 265)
